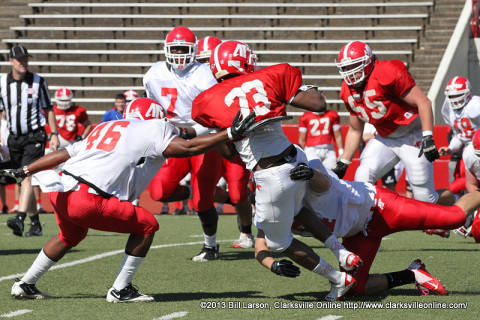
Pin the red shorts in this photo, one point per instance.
(78, 211)
(237, 177)
(205, 169)
(394, 213)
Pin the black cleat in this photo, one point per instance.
(207, 254)
(16, 225)
(35, 231)
(127, 294)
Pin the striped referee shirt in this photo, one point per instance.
(23, 102)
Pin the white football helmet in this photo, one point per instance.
(355, 57)
(184, 38)
(63, 98)
(458, 92)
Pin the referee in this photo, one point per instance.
(23, 95)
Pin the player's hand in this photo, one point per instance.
(285, 268)
(239, 128)
(340, 169)
(429, 149)
(444, 151)
(17, 174)
(301, 172)
(78, 137)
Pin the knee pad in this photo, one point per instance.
(209, 217)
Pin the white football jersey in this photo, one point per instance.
(463, 122)
(264, 142)
(175, 91)
(472, 162)
(347, 205)
(121, 157)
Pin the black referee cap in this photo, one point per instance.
(18, 52)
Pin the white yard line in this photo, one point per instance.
(174, 315)
(107, 254)
(15, 313)
(330, 317)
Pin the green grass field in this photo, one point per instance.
(232, 284)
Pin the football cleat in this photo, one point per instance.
(439, 232)
(127, 294)
(207, 254)
(14, 209)
(351, 262)
(425, 279)
(179, 212)
(22, 290)
(245, 241)
(35, 231)
(463, 231)
(338, 291)
(16, 225)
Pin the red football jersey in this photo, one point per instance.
(319, 127)
(68, 121)
(266, 91)
(379, 101)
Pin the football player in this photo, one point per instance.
(233, 170)
(174, 83)
(317, 132)
(101, 175)
(69, 118)
(384, 94)
(362, 214)
(268, 153)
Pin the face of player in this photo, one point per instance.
(179, 50)
(204, 60)
(457, 103)
(120, 105)
(356, 75)
(19, 66)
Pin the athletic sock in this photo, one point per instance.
(127, 271)
(41, 265)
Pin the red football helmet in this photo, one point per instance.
(180, 37)
(143, 109)
(476, 227)
(355, 57)
(63, 98)
(130, 95)
(205, 47)
(232, 57)
(458, 92)
(476, 143)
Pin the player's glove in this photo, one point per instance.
(340, 169)
(78, 137)
(301, 172)
(183, 133)
(17, 174)
(240, 128)
(429, 149)
(285, 268)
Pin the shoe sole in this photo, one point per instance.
(16, 230)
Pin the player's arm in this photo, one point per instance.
(52, 122)
(88, 128)
(228, 151)
(471, 181)
(180, 148)
(416, 98)
(302, 138)
(352, 142)
(337, 134)
(46, 162)
(311, 99)
(264, 256)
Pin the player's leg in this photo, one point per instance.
(205, 175)
(237, 177)
(375, 161)
(165, 185)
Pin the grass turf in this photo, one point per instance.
(233, 287)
